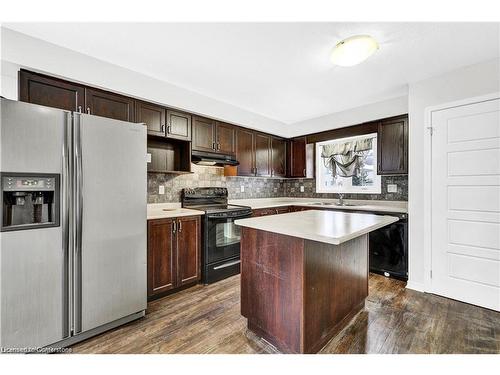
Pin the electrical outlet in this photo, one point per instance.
(242, 189)
(392, 188)
(148, 157)
(161, 189)
(301, 188)
(275, 190)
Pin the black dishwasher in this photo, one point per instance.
(389, 248)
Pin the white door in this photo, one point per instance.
(466, 203)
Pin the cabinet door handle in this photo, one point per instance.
(169, 129)
(88, 110)
(304, 172)
(218, 146)
(174, 226)
(162, 128)
(180, 226)
(213, 146)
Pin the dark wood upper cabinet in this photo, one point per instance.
(213, 136)
(107, 104)
(278, 157)
(51, 92)
(393, 146)
(259, 154)
(262, 155)
(154, 116)
(225, 138)
(161, 260)
(245, 154)
(297, 157)
(188, 249)
(178, 125)
(203, 134)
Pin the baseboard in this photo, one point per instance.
(419, 287)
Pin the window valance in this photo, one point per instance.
(346, 158)
(345, 148)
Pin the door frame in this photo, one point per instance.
(427, 185)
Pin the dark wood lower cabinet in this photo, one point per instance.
(271, 211)
(161, 260)
(174, 252)
(188, 250)
(302, 208)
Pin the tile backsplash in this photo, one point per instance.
(292, 188)
(256, 187)
(212, 176)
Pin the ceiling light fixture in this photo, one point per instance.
(353, 50)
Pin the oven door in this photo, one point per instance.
(222, 237)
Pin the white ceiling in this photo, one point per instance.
(279, 70)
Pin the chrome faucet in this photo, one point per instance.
(341, 199)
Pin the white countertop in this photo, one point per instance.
(361, 205)
(168, 210)
(332, 227)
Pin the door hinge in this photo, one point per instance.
(431, 273)
(431, 130)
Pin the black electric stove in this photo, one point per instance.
(221, 237)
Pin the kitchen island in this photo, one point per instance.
(304, 275)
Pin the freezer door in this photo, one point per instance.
(33, 302)
(111, 214)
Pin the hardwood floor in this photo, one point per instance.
(206, 319)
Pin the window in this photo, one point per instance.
(348, 165)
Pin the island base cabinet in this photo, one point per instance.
(298, 294)
(174, 252)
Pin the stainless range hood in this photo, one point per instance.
(211, 159)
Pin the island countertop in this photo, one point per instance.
(331, 227)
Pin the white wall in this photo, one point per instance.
(19, 50)
(474, 80)
(353, 116)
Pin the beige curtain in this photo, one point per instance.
(346, 158)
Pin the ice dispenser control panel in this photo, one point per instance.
(29, 201)
(35, 183)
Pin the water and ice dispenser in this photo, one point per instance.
(29, 201)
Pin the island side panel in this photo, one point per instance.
(336, 285)
(271, 287)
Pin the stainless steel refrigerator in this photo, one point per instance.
(73, 225)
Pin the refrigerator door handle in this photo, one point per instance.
(65, 225)
(78, 207)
